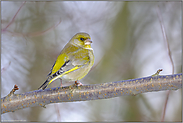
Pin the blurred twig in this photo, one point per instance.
(58, 112)
(5, 67)
(14, 16)
(35, 33)
(169, 55)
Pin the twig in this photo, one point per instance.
(13, 90)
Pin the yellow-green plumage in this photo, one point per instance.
(74, 61)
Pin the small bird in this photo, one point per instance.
(74, 61)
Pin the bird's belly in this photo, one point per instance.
(77, 74)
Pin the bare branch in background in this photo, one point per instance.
(169, 55)
(14, 16)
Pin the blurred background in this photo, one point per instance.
(128, 42)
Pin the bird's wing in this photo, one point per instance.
(61, 61)
(70, 61)
(77, 60)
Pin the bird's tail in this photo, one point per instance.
(50, 79)
(44, 85)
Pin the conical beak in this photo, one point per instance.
(87, 42)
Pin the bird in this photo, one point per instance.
(74, 61)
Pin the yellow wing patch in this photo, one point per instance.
(62, 58)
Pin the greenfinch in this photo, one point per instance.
(74, 61)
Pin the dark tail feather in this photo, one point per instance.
(44, 85)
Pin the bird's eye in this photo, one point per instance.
(82, 39)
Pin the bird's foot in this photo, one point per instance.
(78, 83)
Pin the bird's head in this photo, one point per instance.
(82, 40)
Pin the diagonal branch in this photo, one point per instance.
(72, 93)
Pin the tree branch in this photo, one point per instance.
(13, 102)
